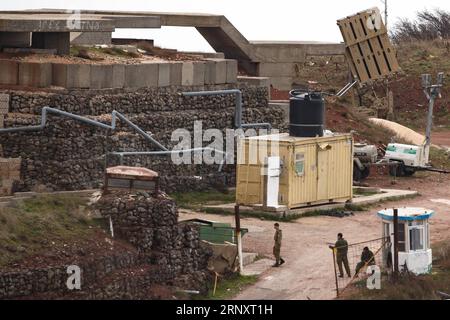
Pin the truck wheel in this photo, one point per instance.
(356, 174)
(409, 172)
(365, 173)
(397, 171)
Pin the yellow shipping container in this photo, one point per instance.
(313, 170)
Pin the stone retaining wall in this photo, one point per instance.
(165, 253)
(69, 155)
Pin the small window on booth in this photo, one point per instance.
(300, 164)
(401, 237)
(386, 233)
(416, 239)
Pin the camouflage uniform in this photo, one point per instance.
(277, 246)
(341, 256)
(368, 258)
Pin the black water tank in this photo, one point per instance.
(306, 114)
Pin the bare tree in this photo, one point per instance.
(429, 25)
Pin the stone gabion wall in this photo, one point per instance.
(150, 223)
(22, 283)
(69, 155)
(163, 253)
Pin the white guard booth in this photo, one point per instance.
(413, 236)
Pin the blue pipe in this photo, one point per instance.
(115, 114)
(237, 111)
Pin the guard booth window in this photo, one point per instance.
(416, 238)
(401, 237)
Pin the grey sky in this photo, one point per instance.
(257, 20)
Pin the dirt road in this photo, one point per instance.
(308, 272)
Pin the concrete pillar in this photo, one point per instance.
(52, 40)
(232, 70)
(101, 76)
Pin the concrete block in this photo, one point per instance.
(176, 73)
(141, 75)
(90, 38)
(101, 76)
(218, 72)
(72, 75)
(282, 69)
(232, 71)
(9, 72)
(35, 74)
(279, 52)
(193, 73)
(209, 71)
(4, 103)
(254, 81)
(118, 75)
(281, 83)
(2, 120)
(163, 74)
(59, 74)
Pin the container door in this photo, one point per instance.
(322, 173)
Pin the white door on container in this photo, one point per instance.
(273, 181)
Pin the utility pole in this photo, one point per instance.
(237, 218)
(385, 2)
(395, 243)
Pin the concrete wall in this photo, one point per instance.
(90, 38)
(103, 76)
(35, 74)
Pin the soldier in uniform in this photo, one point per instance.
(341, 247)
(367, 258)
(277, 246)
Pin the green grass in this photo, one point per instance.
(117, 52)
(30, 225)
(290, 218)
(196, 200)
(253, 214)
(439, 158)
(230, 286)
(363, 193)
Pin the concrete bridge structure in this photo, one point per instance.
(56, 28)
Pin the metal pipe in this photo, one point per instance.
(138, 130)
(163, 153)
(237, 111)
(115, 114)
(166, 153)
(113, 126)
